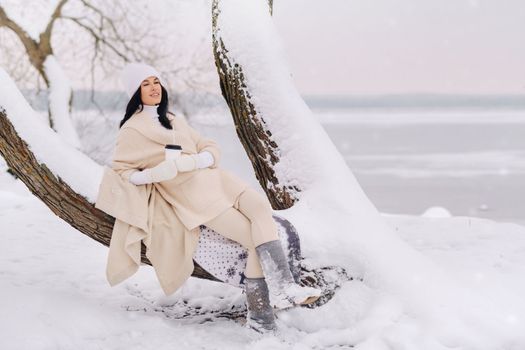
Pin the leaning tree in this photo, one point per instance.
(20, 142)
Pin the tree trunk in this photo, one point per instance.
(58, 195)
(263, 152)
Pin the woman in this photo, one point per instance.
(202, 193)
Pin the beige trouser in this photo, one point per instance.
(249, 222)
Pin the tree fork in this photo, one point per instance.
(77, 211)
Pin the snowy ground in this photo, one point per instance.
(54, 294)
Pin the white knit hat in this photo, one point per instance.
(134, 73)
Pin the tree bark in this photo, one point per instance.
(58, 195)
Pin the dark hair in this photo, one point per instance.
(135, 103)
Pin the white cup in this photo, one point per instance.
(172, 151)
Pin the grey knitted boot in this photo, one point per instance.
(260, 315)
(284, 292)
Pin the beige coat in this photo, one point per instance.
(166, 216)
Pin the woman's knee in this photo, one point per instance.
(253, 201)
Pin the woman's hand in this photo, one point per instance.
(186, 162)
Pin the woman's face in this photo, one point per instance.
(150, 91)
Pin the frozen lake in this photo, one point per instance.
(472, 163)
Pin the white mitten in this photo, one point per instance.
(165, 170)
(186, 162)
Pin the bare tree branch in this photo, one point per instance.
(54, 16)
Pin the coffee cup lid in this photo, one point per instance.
(173, 147)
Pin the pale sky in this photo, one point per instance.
(398, 46)
(364, 46)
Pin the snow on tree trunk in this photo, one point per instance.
(282, 192)
(64, 178)
(60, 94)
(297, 163)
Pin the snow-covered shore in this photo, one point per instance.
(53, 294)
